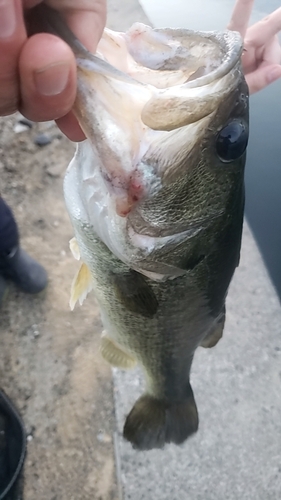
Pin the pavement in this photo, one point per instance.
(236, 453)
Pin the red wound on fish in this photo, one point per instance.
(136, 189)
(135, 192)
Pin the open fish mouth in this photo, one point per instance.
(138, 89)
(170, 57)
(146, 102)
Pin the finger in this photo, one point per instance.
(272, 51)
(263, 76)
(240, 16)
(265, 29)
(48, 78)
(12, 37)
(86, 19)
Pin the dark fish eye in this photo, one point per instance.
(232, 140)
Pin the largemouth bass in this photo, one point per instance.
(156, 198)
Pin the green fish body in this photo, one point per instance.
(156, 198)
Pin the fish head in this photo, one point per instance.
(165, 113)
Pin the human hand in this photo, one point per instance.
(38, 72)
(262, 56)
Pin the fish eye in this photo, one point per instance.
(232, 141)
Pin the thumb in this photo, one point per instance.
(262, 77)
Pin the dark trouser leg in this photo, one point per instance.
(9, 235)
(12, 433)
(15, 264)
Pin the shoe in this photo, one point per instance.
(12, 450)
(23, 270)
(3, 289)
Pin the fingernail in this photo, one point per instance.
(7, 18)
(52, 79)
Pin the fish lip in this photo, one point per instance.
(232, 43)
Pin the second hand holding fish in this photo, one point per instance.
(262, 56)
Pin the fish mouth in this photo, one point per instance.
(164, 65)
(141, 85)
(171, 56)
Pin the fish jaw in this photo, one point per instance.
(106, 112)
(129, 119)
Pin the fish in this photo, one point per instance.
(155, 195)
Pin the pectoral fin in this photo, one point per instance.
(81, 286)
(215, 334)
(135, 293)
